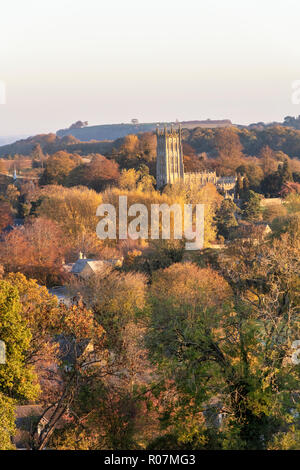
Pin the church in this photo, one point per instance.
(170, 168)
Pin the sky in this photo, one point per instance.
(160, 60)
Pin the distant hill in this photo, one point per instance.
(288, 121)
(51, 143)
(92, 139)
(201, 138)
(10, 139)
(117, 131)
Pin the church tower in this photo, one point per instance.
(169, 162)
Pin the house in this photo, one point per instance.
(247, 231)
(84, 267)
(27, 417)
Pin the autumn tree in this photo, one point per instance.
(17, 380)
(230, 342)
(78, 362)
(229, 149)
(74, 210)
(5, 215)
(114, 298)
(137, 179)
(186, 328)
(128, 179)
(58, 166)
(265, 282)
(11, 195)
(102, 404)
(38, 157)
(268, 163)
(98, 174)
(211, 198)
(35, 250)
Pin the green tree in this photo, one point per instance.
(146, 181)
(246, 188)
(225, 217)
(251, 208)
(239, 186)
(17, 380)
(7, 422)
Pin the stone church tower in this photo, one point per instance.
(169, 163)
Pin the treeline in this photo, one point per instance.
(51, 143)
(278, 137)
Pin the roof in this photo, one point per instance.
(95, 265)
(80, 264)
(69, 349)
(26, 419)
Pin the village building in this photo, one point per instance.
(85, 267)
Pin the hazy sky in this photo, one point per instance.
(110, 61)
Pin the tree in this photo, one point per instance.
(38, 156)
(7, 422)
(17, 380)
(285, 172)
(140, 179)
(255, 175)
(98, 174)
(225, 217)
(251, 207)
(239, 186)
(289, 187)
(246, 188)
(229, 338)
(78, 362)
(289, 224)
(229, 149)
(74, 210)
(128, 179)
(130, 144)
(5, 215)
(114, 298)
(12, 194)
(185, 331)
(36, 250)
(265, 280)
(273, 183)
(58, 166)
(97, 405)
(267, 160)
(146, 182)
(211, 198)
(40, 311)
